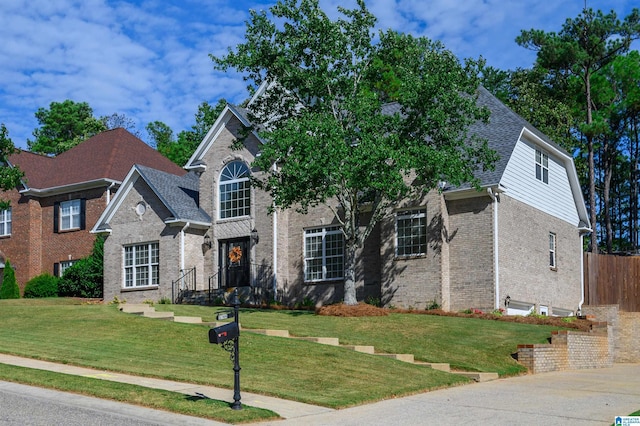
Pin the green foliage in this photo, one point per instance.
(432, 305)
(327, 128)
(374, 301)
(63, 126)
(9, 175)
(181, 149)
(85, 277)
(9, 288)
(45, 285)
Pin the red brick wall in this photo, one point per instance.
(33, 246)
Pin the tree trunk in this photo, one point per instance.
(350, 273)
(606, 197)
(592, 175)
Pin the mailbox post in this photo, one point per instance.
(226, 335)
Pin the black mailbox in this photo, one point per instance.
(223, 333)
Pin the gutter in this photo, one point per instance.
(186, 225)
(583, 231)
(44, 192)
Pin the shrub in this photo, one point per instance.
(84, 278)
(45, 285)
(9, 288)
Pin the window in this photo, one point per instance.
(59, 268)
(234, 191)
(5, 222)
(323, 254)
(141, 265)
(69, 215)
(552, 250)
(542, 166)
(411, 233)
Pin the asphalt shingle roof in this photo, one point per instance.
(180, 194)
(108, 155)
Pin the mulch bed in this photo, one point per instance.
(366, 310)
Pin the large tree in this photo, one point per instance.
(180, 150)
(355, 121)
(63, 126)
(582, 48)
(9, 175)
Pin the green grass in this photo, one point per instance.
(138, 395)
(465, 343)
(100, 336)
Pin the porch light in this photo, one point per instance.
(507, 300)
(207, 241)
(254, 236)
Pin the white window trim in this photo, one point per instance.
(5, 222)
(235, 180)
(64, 265)
(71, 215)
(148, 264)
(405, 215)
(321, 232)
(553, 251)
(542, 164)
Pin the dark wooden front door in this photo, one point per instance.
(234, 263)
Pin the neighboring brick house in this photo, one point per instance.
(518, 241)
(60, 199)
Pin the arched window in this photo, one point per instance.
(234, 191)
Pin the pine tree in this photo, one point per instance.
(9, 288)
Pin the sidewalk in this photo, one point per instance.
(285, 408)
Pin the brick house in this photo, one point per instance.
(60, 199)
(516, 243)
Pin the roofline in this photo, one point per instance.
(214, 131)
(73, 187)
(116, 201)
(462, 193)
(182, 222)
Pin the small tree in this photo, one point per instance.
(9, 288)
(9, 176)
(328, 125)
(85, 277)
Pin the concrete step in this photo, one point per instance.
(332, 341)
(136, 308)
(188, 320)
(478, 377)
(400, 357)
(360, 348)
(274, 333)
(158, 315)
(441, 366)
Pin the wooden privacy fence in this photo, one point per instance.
(612, 280)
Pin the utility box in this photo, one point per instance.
(223, 333)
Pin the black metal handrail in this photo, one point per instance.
(186, 282)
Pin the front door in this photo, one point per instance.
(234, 263)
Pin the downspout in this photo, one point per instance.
(581, 274)
(184, 228)
(109, 192)
(275, 250)
(496, 263)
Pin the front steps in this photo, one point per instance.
(148, 311)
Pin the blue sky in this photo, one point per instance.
(150, 59)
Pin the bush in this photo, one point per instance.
(45, 285)
(84, 278)
(9, 288)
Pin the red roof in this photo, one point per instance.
(108, 155)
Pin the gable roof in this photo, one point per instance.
(107, 156)
(179, 194)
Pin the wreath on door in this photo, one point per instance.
(235, 254)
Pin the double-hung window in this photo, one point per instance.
(552, 251)
(69, 215)
(141, 265)
(411, 233)
(234, 191)
(542, 166)
(5, 222)
(323, 254)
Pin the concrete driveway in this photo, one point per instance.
(579, 397)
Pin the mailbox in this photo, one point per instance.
(223, 333)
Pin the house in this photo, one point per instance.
(516, 244)
(60, 199)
